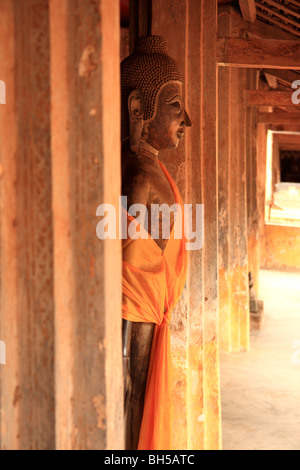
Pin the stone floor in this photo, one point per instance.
(261, 389)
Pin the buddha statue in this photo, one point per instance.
(153, 118)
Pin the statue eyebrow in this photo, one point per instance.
(172, 100)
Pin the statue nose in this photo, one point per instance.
(187, 119)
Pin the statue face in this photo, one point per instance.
(167, 127)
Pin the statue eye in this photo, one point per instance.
(176, 105)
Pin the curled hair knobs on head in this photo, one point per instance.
(146, 70)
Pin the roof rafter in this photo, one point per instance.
(248, 10)
(263, 6)
(278, 23)
(287, 77)
(283, 7)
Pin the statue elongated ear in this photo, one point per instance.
(136, 119)
(136, 105)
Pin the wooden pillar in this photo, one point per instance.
(86, 173)
(238, 252)
(224, 125)
(252, 201)
(190, 29)
(233, 210)
(233, 243)
(275, 165)
(210, 200)
(140, 15)
(165, 20)
(195, 307)
(261, 176)
(26, 309)
(244, 302)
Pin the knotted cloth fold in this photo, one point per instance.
(152, 283)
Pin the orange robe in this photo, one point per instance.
(152, 283)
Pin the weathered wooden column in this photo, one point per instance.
(252, 200)
(190, 27)
(224, 125)
(275, 165)
(209, 119)
(234, 320)
(164, 24)
(261, 179)
(86, 173)
(234, 215)
(140, 15)
(238, 253)
(26, 308)
(244, 302)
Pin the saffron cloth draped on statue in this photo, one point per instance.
(152, 283)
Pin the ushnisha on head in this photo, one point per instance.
(152, 96)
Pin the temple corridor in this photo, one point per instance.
(260, 389)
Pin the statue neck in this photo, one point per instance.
(148, 152)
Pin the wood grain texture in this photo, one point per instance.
(248, 9)
(258, 53)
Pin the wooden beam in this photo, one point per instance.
(279, 118)
(269, 98)
(258, 53)
(258, 29)
(286, 128)
(248, 10)
(287, 77)
(289, 147)
(287, 138)
(286, 110)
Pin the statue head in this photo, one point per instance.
(152, 96)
